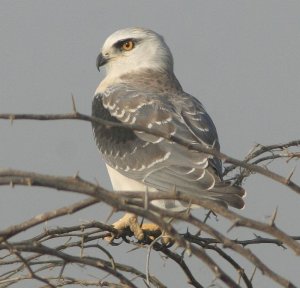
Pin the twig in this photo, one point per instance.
(90, 261)
(115, 200)
(200, 148)
(15, 229)
(148, 258)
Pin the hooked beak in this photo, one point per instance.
(101, 60)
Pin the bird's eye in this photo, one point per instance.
(128, 45)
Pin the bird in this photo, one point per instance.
(140, 88)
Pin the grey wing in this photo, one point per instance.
(163, 164)
(201, 125)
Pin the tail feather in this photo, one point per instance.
(231, 194)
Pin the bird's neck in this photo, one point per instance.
(157, 80)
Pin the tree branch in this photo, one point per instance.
(134, 202)
(200, 148)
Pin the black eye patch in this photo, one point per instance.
(118, 45)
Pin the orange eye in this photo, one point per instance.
(128, 45)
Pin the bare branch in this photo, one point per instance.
(115, 200)
(85, 237)
(41, 218)
(78, 116)
(94, 262)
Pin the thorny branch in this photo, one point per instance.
(79, 116)
(131, 201)
(25, 259)
(278, 151)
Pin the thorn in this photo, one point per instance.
(235, 223)
(76, 176)
(252, 276)
(188, 209)
(272, 221)
(207, 216)
(62, 270)
(133, 249)
(142, 222)
(82, 228)
(11, 118)
(73, 104)
(187, 231)
(256, 236)
(288, 179)
(255, 147)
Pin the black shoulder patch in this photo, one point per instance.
(107, 136)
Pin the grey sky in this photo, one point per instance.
(240, 58)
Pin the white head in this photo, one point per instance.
(132, 49)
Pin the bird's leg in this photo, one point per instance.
(151, 230)
(154, 231)
(129, 220)
(151, 227)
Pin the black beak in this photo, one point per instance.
(101, 60)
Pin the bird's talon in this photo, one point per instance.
(145, 233)
(114, 243)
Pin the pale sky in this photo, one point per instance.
(239, 58)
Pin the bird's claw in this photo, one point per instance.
(128, 221)
(143, 233)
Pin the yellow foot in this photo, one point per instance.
(128, 221)
(152, 231)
